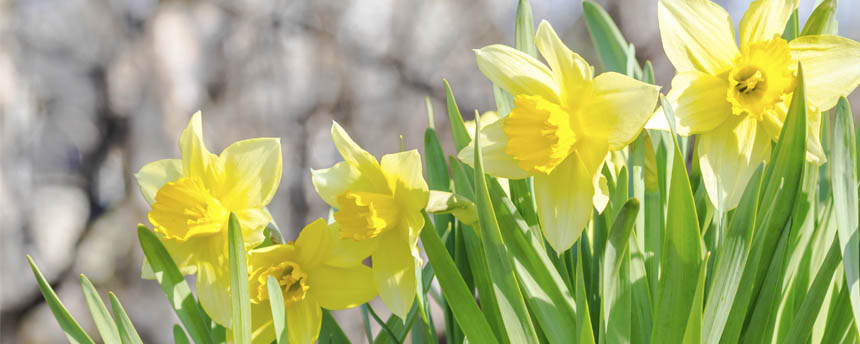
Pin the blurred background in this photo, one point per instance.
(91, 90)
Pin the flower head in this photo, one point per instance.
(736, 98)
(564, 122)
(379, 205)
(192, 199)
(318, 270)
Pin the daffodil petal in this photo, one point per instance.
(394, 273)
(359, 158)
(658, 120)
(252, 173)
(831, 67)
(253, 222)
(347, 253)
(496, 162)
(327, 286)
(697, 35)
(516, 72)
(699, 101)
(619, 108)
(814, 151)
(564, 202)
(728, 157)
(262, 326)
(601, 192)
(154, 175)
(764, 20)
(304, 320)
(213, 292)
(314, 244)
(197, 161)
(333, 181)
(405, 177)
(569, 69)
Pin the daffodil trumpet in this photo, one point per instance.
(564, 123)
(192, 198)
(734, 98)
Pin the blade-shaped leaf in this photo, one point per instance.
(615, 319)
(240, 295)
(525, 29)
(330, 331)
(126, 328)
(458, 127)
(179, 336)
(279, 315)
(74, 333)
(104, 321)
(801, 327)
(822, 20)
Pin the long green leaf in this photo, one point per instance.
(731, 258)
(74, 333)
(822, 20)
(126, 328)
(279, 315)
(462, 303)
(330, 331)
(458, 127)
(583, 320)
(801, 327)
(104, 321)
(616, 305)
(174, 286)
(240, 295)
(518, 325)
(681, 253)
(179, 336)
(845, 202)
(608, 41)
(525, 29)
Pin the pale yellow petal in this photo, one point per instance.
(658, 120)
(394, 273)
(699, 101)
(404, 174)
(831, 67)
(359, 158)
(496, 162)
(197, 161)
(252, 173)
(153, 175)
(341, 288)
(331, 182)
(253, 222)
(697, 35)
(348, 252)
(814, 151)
(764, 20)
(213, 292)
(570, 71)
(618, 108)
(262, 326)
(304, 320)
(315, 243)
(564, 198)
(517, 72)
(728, 157)
(601, 192)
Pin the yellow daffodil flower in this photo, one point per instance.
(192, 199)
(563, 124)
(379, 204)
(735, 100)
(318, 270)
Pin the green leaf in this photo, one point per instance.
(174, 286)
(126, 328)
(822, 20)
(70, 327)
(801, 327)
(693, 333)
(525, 29)
(614, 51)
(279, 315)
(616, 305)
(459, 298)
(179, 336)
(549, 301)
(102, 318)
(845, 202)
(681, 252)
(240, 295)
(330, 332)
(731, 258)
(583, 320)
(458, 127)
(792, 29)
(518, 325)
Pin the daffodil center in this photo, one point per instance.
(365, 215)
(185, 208)
(762, 77)
(290, 277)
(540, 134)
